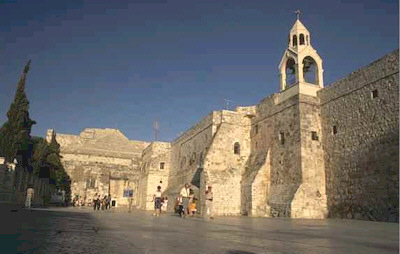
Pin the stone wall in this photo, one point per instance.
(223, 168)
(310, 199)
(154, 171)
(361, 138)
(276, 151)
(188, 152)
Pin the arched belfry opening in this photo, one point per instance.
(290, 72)
(301, 39)
(294, 40)
(310, 71)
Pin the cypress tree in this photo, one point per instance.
(15, 133)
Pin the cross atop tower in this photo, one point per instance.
(297, 14)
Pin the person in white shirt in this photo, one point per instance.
(29, 195)
(209, 198)
(185, 194)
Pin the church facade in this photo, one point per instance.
(308, 151)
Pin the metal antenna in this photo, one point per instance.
(156, 128)
(227, 103)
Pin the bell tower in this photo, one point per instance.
(301, 67)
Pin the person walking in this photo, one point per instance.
(108, 205)
(185, 194)
(209, 200)
(98, 202)
(95, 201)
(29, 195)
(104, 203)
(157, 202)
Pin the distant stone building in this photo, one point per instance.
(305, 152)
(101, 161)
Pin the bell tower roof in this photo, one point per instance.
(298, 27)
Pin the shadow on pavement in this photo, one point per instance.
(238, 252)
(42, 230)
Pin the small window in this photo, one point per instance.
(374, 93)
(162, 165)
(334, 129)
(256, 129)
(314, 135)
(236, 148)
(282, 137)
(294, 40)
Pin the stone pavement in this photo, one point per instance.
(82, 230)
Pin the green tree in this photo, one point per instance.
(15, 139)
(58, 175)
(39, 157)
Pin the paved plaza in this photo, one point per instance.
(82, 230)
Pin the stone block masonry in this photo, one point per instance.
(360, 116)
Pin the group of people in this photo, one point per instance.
(101, 203)
(78, 201)
(185, 204)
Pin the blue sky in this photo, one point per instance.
(110, 64)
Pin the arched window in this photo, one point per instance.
(301, 39)
(290, 72)
(310, 70)
(294, 40)
(236, 148)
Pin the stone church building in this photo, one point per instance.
(308, 151)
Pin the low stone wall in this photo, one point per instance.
(14, 182)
